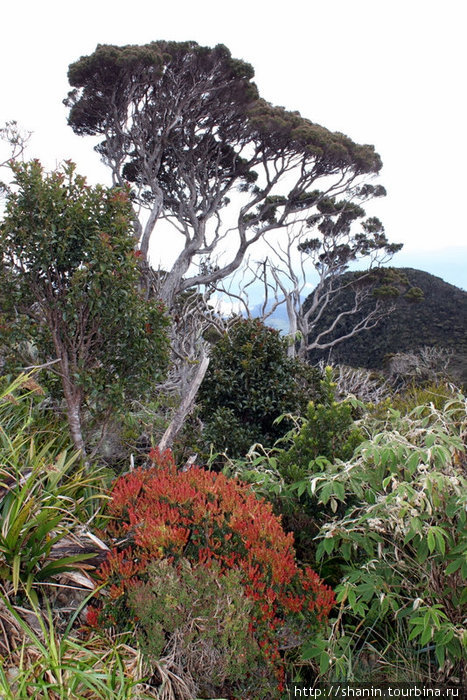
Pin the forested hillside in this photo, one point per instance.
(439, 319)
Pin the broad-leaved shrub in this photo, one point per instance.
(328, 430)
(250, 382)
(404, 534)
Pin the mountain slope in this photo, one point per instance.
(439, 320)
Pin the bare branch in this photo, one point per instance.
(16, 139)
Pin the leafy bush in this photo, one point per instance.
(404, 538)
(208, 519)
(250, 383)
(328, 430)
(197, 620)
(69, 282)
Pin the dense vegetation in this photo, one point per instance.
(435, 318)
(250, 383)
(309, 523)
(375, 495)
(69, 285)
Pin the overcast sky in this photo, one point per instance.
(390, 73)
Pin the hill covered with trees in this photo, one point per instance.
(439, 319)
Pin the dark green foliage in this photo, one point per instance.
(328, 431)
(110, 72)
(113, 77)
(174, 88)
(250, 383)
(281, 129)
(69, 288)
(226, 431)
(439, 320)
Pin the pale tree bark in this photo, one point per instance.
(73, 394)
(148, 229)
(285, 276)
(74, 422)
(199, 211)
(186, 406)
(195, 322)
(74, 398)
(364, 384)
(16, 139)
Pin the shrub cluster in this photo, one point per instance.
(250, 382)
(199, 619)
(212, 521)
(403, 535)
(328, 430)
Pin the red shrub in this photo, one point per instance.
(205, 517)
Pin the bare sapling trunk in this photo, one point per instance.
(74, 421)
(186, 405)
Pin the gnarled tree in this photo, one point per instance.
(185, 127)
(293, 263)
(184, 124)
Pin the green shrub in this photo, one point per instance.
(198, 618)
(227, 432)
(69, 282)
(250, 383)
(404, 538)
(328, 430)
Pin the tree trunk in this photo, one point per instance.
(292, 316)
(171, 285)
(74, 422)
(73, 397)
(185, 407)
(151, 222)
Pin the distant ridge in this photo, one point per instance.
(440, 320)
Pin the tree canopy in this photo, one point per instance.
(185, 128)
(185, 125)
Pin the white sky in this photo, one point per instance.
(387, 72)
